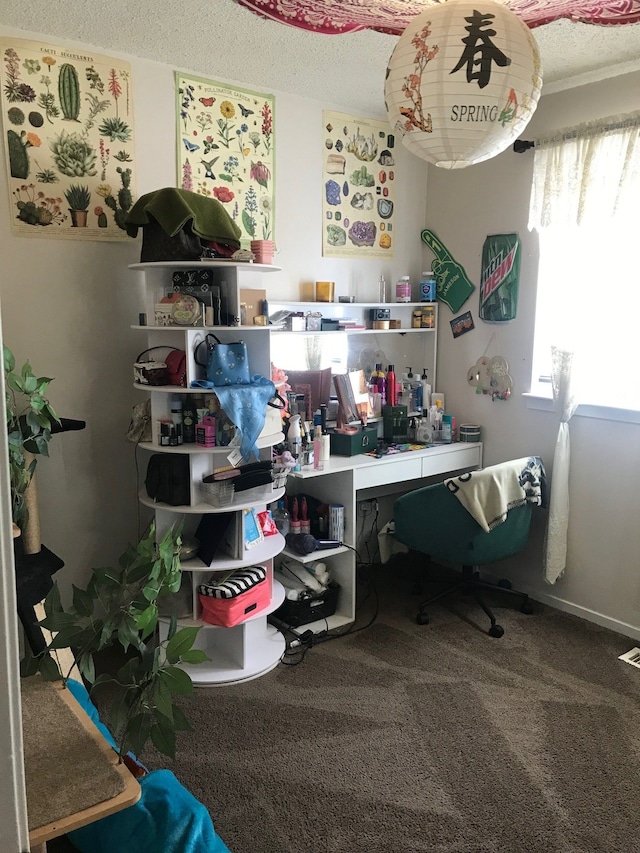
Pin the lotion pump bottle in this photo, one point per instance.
(294, 437)
(426, 389)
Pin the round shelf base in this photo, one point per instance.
(263, 658)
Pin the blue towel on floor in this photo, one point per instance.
(246, 407)
(166, 818)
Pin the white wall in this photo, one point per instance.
(67, 306)
(602, 580)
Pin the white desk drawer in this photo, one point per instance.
(464, 456)
(395, 471)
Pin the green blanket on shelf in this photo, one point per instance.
(172, 208)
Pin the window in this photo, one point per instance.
(304, 352)
(589, 302)
(586, 206)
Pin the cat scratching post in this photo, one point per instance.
(31, 539)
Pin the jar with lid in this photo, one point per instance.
(403, 289)
(428, 287)
(428, 317)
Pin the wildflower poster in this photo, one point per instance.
(67, 118)
(358, 187)
(226, 151)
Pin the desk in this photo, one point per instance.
(72, 774)
(350, 479)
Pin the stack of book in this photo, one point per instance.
(350, 324)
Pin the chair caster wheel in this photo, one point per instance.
(422, 618)
(527, 607)
(496, 631)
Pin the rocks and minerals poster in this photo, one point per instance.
(358, 187)
(67, 117)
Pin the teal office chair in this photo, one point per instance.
(434, 522)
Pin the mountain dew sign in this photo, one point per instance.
(499, 278)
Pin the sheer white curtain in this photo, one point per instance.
(586, 182)
(587, 175)
(557, 531)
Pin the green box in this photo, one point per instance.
(357, 442)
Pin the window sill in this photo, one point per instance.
(544, 403)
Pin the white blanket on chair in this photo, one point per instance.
(489, 494)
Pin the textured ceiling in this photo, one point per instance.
(222, 40)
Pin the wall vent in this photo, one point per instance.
(632, 657)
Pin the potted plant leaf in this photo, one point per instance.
(30, 418)
(78, 198)
(119, 607)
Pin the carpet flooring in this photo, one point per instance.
(407, 738)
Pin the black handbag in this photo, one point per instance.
(167, 480)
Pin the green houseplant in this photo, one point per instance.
(30, 418)
(119, 607)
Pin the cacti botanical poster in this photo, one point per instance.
(67, 118)
(358, 187)
(225, 151)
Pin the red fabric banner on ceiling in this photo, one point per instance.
(393, 16)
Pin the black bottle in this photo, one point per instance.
(189, 420)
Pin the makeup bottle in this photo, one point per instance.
(378, 379)
(318, 463)
(176, 417)
(305, 523)
(294, 525)
(189, 420)
(392, 390)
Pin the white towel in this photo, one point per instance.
(489, 494)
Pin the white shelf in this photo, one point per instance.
(213, 329)
(259, 645)
(224, 671)
(262, 442)
(213, 264)
(314, 555)
(348, 305)
(270, 547)
(244, 500)
(403, 331)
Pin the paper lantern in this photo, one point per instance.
(462, 82)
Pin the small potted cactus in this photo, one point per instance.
(78, 197)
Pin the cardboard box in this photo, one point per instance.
(350, 444)
(252, 301)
